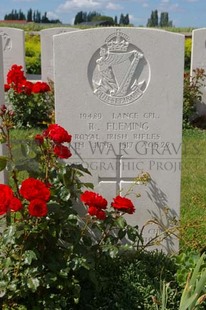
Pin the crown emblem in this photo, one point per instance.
(117, 42)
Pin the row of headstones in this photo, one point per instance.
(119, 92)
(14, 49)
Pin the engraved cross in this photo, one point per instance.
(118, 178)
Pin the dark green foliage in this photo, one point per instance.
(130, 282)
(164, 20)
(14, 15)
(30, 17)
(85, 17)
(124, 19)
(154, 21)
(103, 18)
(92, 15)
(82, 17)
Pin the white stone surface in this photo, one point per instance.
(124, 111)
(13, 48)
(198, 60)
(47, 50)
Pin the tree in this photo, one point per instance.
(32, 16)
(44, 18)
(20, 15)
(78, 18)
(14, 15)
(121, 19)
(92, 15)
(29, 15)
(153, 20)
(37, 17)
(124, 19)
(103, 18)
(164, 20)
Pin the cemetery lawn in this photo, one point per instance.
(193, 190)
(193, 185)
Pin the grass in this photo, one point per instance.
(193, 190)
(193, 185)
(38, 27)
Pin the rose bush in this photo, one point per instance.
(32, 103)
(49, 250)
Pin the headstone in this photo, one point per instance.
(2, 174)
(47, 50)
(198, 61)
(119, 92)
(13, 48)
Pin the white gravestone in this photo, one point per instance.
(13, 48)
(119, 92)
(2, 173)
(47, 50)
(198, 60)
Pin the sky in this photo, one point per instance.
(183, 13)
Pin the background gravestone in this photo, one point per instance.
(13, 48)
(47, 50)
(198, 60)
(2, 174)
(119, 92)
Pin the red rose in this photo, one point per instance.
(34, 189)
(25, 87)
(57, 134)
(92, 211)
(6, 195)
(94, 200)
(45, 87)
(39, 139)
(15, 204)
(100, 214)
(123, 204)
(6, 87)
(15, 76)
(40, 87)
(38, 208)
(36, 87)
(62, 151)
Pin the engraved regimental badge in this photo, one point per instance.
(120, 72)
(6, 40)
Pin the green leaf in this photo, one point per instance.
(3, 162)
(121, 234)
(29, 256)
(80, 168)
(113, 251)
(3, 286)
(9, 234)
(132, 234)
(33, 284)
(72, 218)
(7, 262)
(88, 185)
(29, 164)
(121, 222)
(25, 149)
